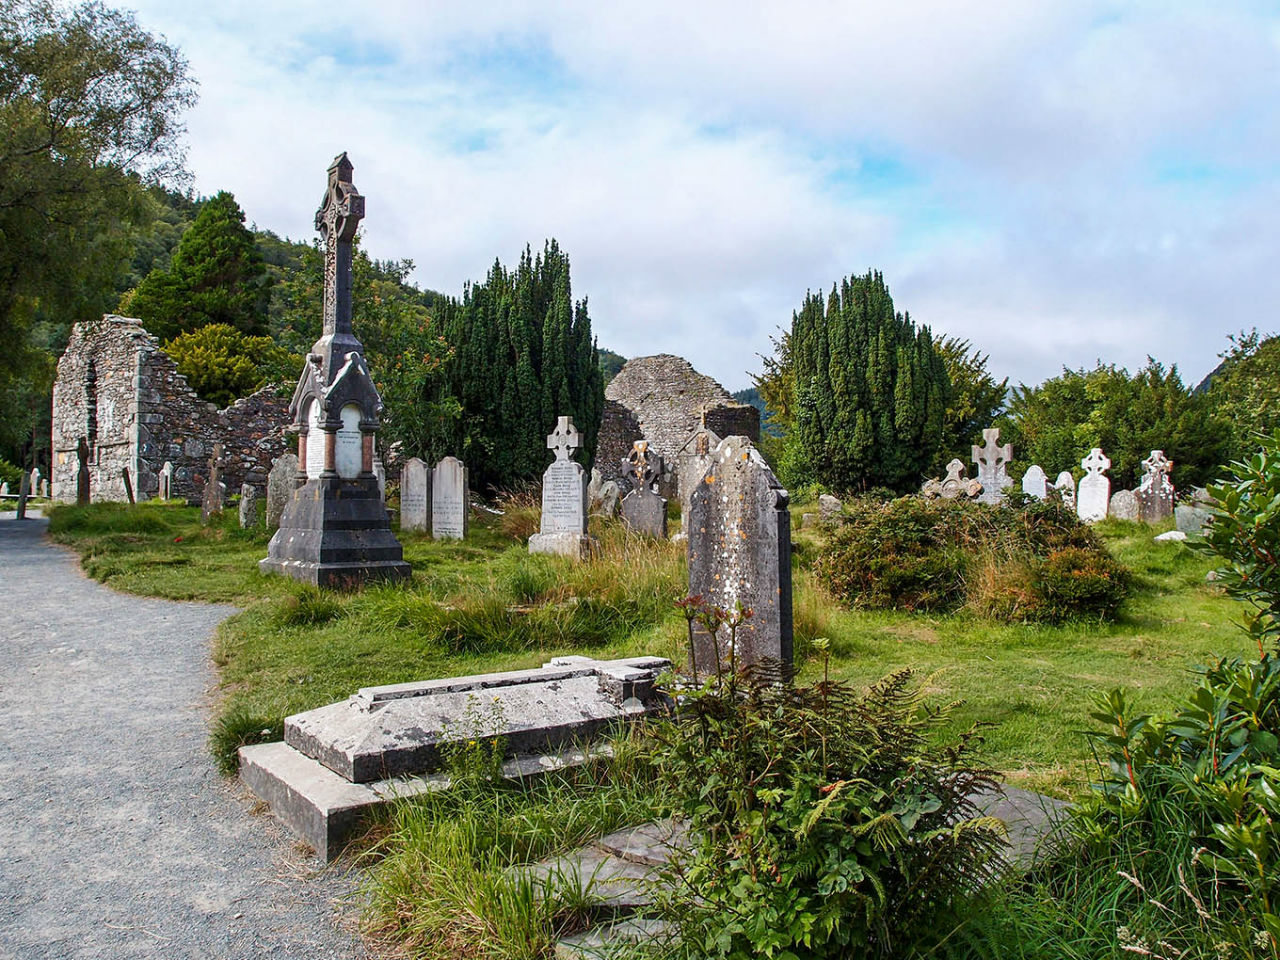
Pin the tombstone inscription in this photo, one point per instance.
(563, 529)
(450, 500)
(415, 496)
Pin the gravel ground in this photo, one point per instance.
(118, 839)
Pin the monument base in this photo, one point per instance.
(575, 545)
(335, 533)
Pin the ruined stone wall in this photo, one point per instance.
(146, 413)
(619, 430)
(668, 399)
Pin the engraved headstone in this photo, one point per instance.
(82, 472)
(1155, 492)
(564, 498)
(1124, 505)
(349, 449)
(214, 488)
(1035, 483)
(166, 481)
(248, 506)
(1066, 487)
(1094, 496)
(415, 496)
(740, 556)
(993, 460)
(643, 510)
(315, 442)
(450, 500)
(281, 482)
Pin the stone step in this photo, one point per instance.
(610, 940)
(615, 886)
(650, 843)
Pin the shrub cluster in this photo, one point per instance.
(1033, 561)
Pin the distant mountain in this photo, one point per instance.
(611, 363)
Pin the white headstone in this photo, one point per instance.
(35, 482)
(415, 496)
(348, 455)
(1066, 487)
(450, 501)
(315, 442)
(1094, 495)
(4, 489)
(1035, 483)
(992, 460)
(166, 481)
(564, 498)
(44, 489)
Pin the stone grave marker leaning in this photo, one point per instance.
(1094, 495)
(643, 510)
(739, 552)
(450, 500)
(564, 498)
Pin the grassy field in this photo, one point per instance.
(487, 605)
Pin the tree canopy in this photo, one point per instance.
(976, 399)
(1245, 390)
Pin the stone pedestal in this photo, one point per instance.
(576, 546)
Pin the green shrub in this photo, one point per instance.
(825, 823)
(309, 606)
(1026, 561)
(10, 474)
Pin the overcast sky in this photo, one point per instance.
(1057, 181)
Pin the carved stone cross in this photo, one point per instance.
(564, 439)
(339, 215)
(1096, 462)
(1157, 463)
(992, 459)
(644, 465)
(955, 472)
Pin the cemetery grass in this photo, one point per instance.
(486, 604)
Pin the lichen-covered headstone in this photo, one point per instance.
(643, 510)
(1155, 492)
(214, 488)
(829, 508)
(248, 506)
(1034, 483)
(1192, 518)
(957, 484)
(993, 460)
(691, 464)
(1094, 496)
(450, 501)
(415, 496)
(281, 482)
(740, 555)
(1066, 487)
(564, 498)
(165, 491)
(1124, 505)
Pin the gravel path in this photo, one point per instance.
(117, 837)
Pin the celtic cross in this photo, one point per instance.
(991, 456)
(1097, 462)
(1157, 463)
(339, 215)
(644, 465)
(564, 439)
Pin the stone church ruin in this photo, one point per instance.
(121, 395)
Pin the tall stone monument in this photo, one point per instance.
(415, 496)
(214, 490)
(740, 556)
(564, 498)
(334, 530)
(643, 510)
(993, 461)
(450, 500)
(1155, 492)
(1094, 496)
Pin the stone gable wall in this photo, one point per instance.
(147, 414)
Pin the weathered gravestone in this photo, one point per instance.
(450, 500)
(1155, 492)
(415, 496)
(957, 484)
(602, 495)
(1094, 495)
(1124, 505)
(82, 472)
(643, 510)
(993, 461)
(281, 482)
(691, 464)
(44, 489)
(1034, 483)
(564, 498)
(165, 491)
(829, 508)
(334, 530)
(248, 506)
(1065, 485)
(740, 557)
(35, 482)
(214, 488)
(1192, 518)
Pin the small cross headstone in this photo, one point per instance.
(1123, 506)
(281, 482)
(1094, 496)
(957, 484)
(740, 556)
(1155, 492)
(214, 488)
(643, 510)
(564, 498)
(993, 460)
(1035, 483)
(1066, 487)
(450, 500)
(248, 506)
(82, 472)
(415, 496)
(166, 481)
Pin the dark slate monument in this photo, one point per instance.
(334, 530)
(82, 472)
(740, 555)
(643, 510)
